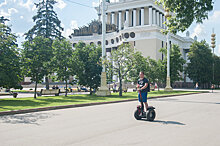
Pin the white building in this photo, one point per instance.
(139, 23)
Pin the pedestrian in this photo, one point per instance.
(197, 85)
(114, 87)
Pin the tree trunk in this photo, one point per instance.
(47, 83)
(35, 90)
(66, 89)
(90, 90)
(120, 87)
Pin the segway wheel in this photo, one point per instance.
(151, 114)
(137, 115)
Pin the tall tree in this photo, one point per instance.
(186, 12)
(62, 60)
(217, 70)
(87, 65)
(124, 60)
(47, 25)
(10, 72)
(140, 64)
(34, 57)
(176, 64)
(199, 68)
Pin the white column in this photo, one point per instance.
(108, 54)
(113, 17)
(134, 18)
(127, 17)
(142, 16)
(119, 23)
(161, 20)
(154, 16)
(150, 15)
(158, 18)
(106, 18)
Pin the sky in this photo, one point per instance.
(76, 13)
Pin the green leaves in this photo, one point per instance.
(199, 68)
(35, 56)
(124, 60)
(62, 60)
(176, 63)
(186, 12)
(47, 23)
(87, 65)
(10, 71)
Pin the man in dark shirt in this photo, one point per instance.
(142, 85)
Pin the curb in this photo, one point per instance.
(81, 105)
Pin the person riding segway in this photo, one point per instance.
(143, 88)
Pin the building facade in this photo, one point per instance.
(139, 23)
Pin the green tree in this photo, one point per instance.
(35, 57)
(47, 25)
(199, 69)
(217, 70)
(10, 72)
(124, 61)
(186, 12)
(176, 64)
(62, 60)
(140, 64)
(87, 65)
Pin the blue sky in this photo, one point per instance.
(20, 13)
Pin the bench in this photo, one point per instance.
(56, 92)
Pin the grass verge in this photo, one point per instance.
(10, 104)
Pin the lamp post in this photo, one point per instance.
(213, 65)
(168, 87)
(103, 90)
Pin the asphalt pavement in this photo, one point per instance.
(181, 121)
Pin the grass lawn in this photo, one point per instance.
(9, 104)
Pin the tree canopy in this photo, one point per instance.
(35, 58)
(87, 65)
(185, 12)
(10, 65)
(62, 59)
(199, 68)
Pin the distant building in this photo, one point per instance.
(137, 22)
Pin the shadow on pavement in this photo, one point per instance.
(168, 122)
(165, 122)
(31, 118)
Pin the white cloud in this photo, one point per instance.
(12, 10)
(22, 17)
(199, 30)
(27, 5)
(20, 34)
(95, 4)
(3, 3)
(69, 31)
(34, 8)
(8, 13)
(60, 4)
(215, 16)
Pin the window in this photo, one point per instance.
(132, 17)
(139, 17)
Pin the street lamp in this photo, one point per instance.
(103, 90)
(213, 47)
(168, 87)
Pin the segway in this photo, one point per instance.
(139, 113)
